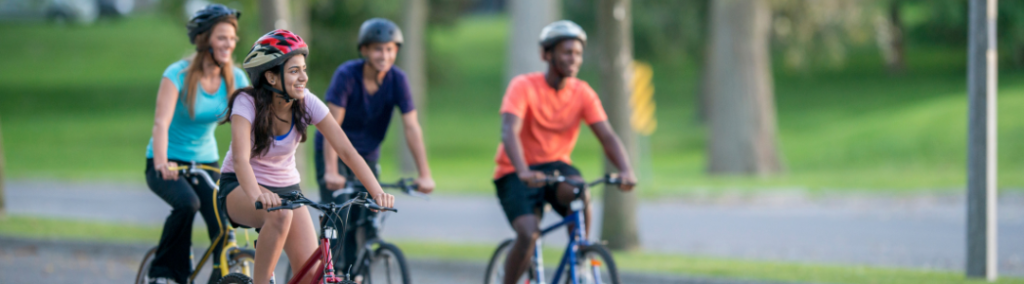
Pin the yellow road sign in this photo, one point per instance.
(642, 100)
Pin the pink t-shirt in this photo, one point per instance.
(277, 167)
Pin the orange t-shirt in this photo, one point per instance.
(551, 119)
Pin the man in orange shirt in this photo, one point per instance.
(540, 121)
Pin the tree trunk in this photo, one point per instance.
(889, 34)
(274, 15)
(413, 60)
(982, 74)
(528, 18)
(614, 25)
(300, 19)
(899, 61)
(741, 101)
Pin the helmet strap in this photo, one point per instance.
(210, 49)
(283, 94)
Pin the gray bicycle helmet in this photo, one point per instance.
(379, 30)
(560, 30)
(205, 19)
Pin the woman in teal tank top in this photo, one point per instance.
(192, 98)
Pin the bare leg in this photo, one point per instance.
(527, 231)
(302, 242)
(274, 227)
(566, 195)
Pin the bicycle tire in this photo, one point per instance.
(496, 267)
(236, 278)
(142, 277)
(381, 271)
(586, 262)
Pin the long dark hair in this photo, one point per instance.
(262, 130)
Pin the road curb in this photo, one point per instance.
(466, 269)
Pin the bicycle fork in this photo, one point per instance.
(538, 263)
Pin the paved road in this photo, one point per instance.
(33, 261)
(916, 232)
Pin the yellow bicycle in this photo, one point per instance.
(233, 259)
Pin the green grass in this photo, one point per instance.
(58, 229)
(76, 103)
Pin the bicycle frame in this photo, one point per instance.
(575, 218)
(322, 254)
(406, 186)
(227, 233)
(327, 232)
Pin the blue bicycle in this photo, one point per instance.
(584, 262)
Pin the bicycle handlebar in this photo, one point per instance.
(609, 178)
(196, 169)
(407, 186)
(296, 200)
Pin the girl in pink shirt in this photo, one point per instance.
(268, 121)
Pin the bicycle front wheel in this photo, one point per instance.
(142, 277)
(595, 264)
(236, 278)
(388, 266)
(496, 268)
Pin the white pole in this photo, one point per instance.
(981, 141)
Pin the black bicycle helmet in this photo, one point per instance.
(560, 30)
(205, 19)
(379, 30)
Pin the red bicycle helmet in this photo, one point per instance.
(272, 49)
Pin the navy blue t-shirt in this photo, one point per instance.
(366, 116)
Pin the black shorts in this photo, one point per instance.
(229, 181)
(517, 199)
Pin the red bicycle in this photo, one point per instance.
(321, 258)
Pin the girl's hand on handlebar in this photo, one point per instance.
(166, 172)
(628, 181)
(269, 200)
(384, 199)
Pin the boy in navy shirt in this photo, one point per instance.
(362, 95)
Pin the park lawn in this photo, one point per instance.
(76, 104)
(699, 266)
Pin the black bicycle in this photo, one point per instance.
(377, 260)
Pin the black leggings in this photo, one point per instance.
(185, 198)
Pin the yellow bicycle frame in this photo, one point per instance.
(222, 266)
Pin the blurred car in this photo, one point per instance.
(116, 8)
(72, 11)
(64, 11)
(21, 9)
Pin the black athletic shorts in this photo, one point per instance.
(517, 199)
(229, 181)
